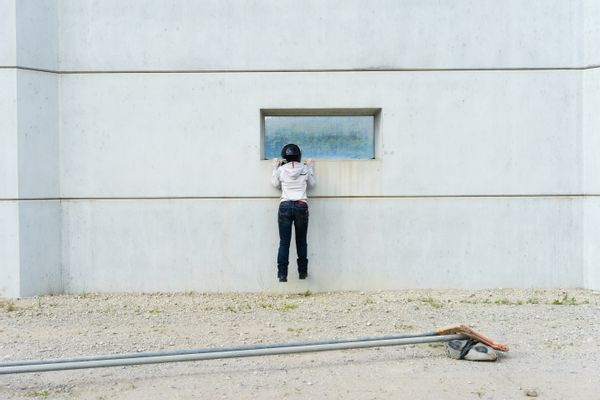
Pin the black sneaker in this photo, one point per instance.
(283, 279)
(303, 276)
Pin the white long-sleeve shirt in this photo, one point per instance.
(293, 178)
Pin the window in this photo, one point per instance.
(321, 134)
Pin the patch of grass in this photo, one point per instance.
(83, 295)
(297, 330)
(154, 310)
(436, 345)
(369, 300)
(232, 309)
(266, 305)
(565, 300)
(288, 307)
(432, 302)
(533, 300)
(189, 293)
(531, 393)
(404, 327)
(10, 306)
(308, 293)
(38, 393)
(502, 301)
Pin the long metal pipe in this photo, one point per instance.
(212, 354)
(210, 350)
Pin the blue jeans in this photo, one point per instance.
(295, 212)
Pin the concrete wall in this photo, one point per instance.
(9, 249)
(591, 32)
(355, 244)
(38, 135)
(591, 252)
(37, 33)
(30, 256)
(9, 178)
(40, 247)
(441, 133)
(134, 159)
(8, 29)
(317, 34)
(428, 126)
(39, 220)
(591, 173)
(9, 160)
(591, 145)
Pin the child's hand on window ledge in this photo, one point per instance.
(275, 162)
(310, 161)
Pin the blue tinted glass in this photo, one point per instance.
(321, 137)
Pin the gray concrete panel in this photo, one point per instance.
(37, 33)
(316, 34)
(441, 133)
(591, 32)
(9, 155)
(591, 132)
(8, 36)
(9, 249)
(40, 247)
(591, 174)
(38, 136)
(591, 244)
(354, 244)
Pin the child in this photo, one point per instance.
(292, 176)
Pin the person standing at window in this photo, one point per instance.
(292, 177)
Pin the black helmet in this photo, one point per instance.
(291, 152)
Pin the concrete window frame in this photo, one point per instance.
(374, 112)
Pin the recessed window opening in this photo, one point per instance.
(339, 136)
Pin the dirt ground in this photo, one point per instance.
(554, 336)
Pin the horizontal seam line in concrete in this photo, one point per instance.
(482, 196)
(242, 71)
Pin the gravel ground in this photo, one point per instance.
(554, 337)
